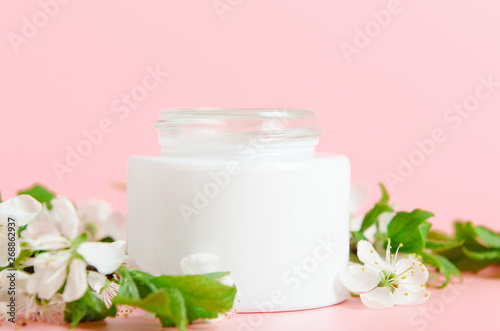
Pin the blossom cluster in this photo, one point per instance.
(55, 255)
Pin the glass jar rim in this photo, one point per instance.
(296, 122)
(220, 132)
(236, 113)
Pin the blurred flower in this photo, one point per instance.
(100, 221)
(57, 233)
(383, 284)
(201, 263)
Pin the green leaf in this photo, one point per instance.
(465, 231)
(40, 193)
(167, 304)
(444, 266)
(79, 240)
(21, 229)
(107, 239)
(176, 300)
(490, 256)
(358, 235)
(424, 229)
(371, 217)
(489, 237)
(437, 235)
(87, 308)
(200, 291)
(405, 229)
(24, 255)
(379, 208)
(216, 275)
(385, 196)
(134, 284)
(440, 245)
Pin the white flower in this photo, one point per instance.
(7, 276)
(60, 265)
(33, 309)
(201, 263)
(383, 284)
(104, 288)
(98, 218)
(21, 210)
(50, 311)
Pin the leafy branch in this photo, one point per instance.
(469, 248)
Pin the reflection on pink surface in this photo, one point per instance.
(451, 308)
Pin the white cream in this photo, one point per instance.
(250, 193)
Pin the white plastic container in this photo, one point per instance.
(246, 186)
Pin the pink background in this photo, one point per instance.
(63, 77)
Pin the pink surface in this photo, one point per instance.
(375, 95)
(460, 306)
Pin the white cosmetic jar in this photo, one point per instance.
(247, 186)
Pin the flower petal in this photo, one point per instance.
(355, 223)
(379, 298)
(63, 215)
(23, 209)
(131, 262)
(76, 285)
(411, 271)
(368, 255)
(96, 281)
(410, 295)
(5, 245)
(105, 257)
(384, 219)
(357, 278)
(358, 195)
(200, 263)
(94, 211)
(116, 226)
(40, 228)
(48, 278)
(227, 281)
(20, 277)
(121, 244)
(43, 235)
